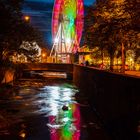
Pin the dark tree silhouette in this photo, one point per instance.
(14, 30)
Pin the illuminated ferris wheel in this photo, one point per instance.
(67, 26)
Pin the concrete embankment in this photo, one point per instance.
(114, 97)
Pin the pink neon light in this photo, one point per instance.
(58, 5)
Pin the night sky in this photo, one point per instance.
(40, 12)
(87, 2)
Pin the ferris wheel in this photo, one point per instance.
(67, 26)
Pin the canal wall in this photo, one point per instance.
(114, 97)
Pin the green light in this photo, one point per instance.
(70, 13)
(66, 130)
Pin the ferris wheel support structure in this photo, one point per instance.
(67, 25)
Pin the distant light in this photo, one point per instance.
(22, 134)
(26, 18)
(44, 54)
(56, 40)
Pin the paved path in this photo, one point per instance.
(135, 73)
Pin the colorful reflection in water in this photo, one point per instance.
(65, 126)
(53, 108)
(63, 113)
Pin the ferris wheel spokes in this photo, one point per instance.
(67, 27)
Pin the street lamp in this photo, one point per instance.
(44, 54)
(27, 18)
(44, 57)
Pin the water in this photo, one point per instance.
(46, 110)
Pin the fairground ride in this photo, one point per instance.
(67, 26)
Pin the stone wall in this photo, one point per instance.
(114, 97)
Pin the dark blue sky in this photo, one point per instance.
(87, 2)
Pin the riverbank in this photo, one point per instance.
(114, 97)
(133, 73)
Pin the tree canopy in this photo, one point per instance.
(113, 23)
(14, 29)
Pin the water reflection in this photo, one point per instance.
(65, 125)
(62, 111)
(47, 74)
(56, 103)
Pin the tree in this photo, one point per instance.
(14, 30)
(115, 24)
(89, 20)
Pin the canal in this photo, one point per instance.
(41, 107)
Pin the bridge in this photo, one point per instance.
(52, 67)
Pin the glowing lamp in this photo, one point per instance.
(26, 18)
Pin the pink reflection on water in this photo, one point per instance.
(76, 114)
(57, 124)
(54, 135)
